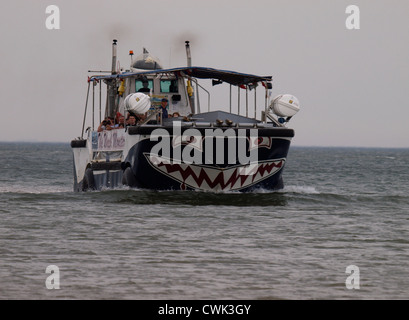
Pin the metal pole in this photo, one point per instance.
(255, 103)
(230, 98)
(208, 95)
(247, 101)
(197, 97)
(188, 55)
(100, 100)
(238, 100)
(265, 106)
(93, 105)
(113, 68)
(112, 90)
(85, 111)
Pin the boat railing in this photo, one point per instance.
(94, 84)
(198, 98)
(250, 108)
(85, 112)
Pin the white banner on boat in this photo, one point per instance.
(112, 140)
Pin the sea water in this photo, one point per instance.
(341, 208)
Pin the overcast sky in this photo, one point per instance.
(353, 85)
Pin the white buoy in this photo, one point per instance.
(137, 103)
(285, 105)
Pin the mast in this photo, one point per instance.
(113, 69)
(111, 84)
(188, 55)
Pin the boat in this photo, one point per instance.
(159, 130)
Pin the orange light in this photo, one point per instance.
(131, 52)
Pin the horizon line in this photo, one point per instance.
(292, 146)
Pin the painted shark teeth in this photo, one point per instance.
(208, 178)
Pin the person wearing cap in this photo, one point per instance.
(163, 105)
(145, 87)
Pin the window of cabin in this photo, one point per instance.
(143, 85)
(169, 86)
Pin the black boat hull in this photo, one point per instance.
(204, 169)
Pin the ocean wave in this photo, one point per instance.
(300, 189)
(24, 189)
(188, 198)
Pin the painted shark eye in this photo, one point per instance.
(261, 142)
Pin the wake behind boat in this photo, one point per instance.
(154, 134)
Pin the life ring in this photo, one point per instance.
(128, 178)
(88, 183)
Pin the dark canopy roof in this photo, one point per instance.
(232, 77)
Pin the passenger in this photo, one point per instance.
(102, 126)
(113, 124)
(135, 119)
(131, 121)
(121, 122)
(175, 114)
(163, 108)
(145, 87)
(117, 116)
(106, 124)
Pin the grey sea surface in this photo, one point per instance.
(341, 208)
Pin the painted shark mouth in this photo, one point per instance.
(208, 178)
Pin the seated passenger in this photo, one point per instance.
(134, 119)
(131, 121)
(106, 124)
(113, 124)
(121, 122)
